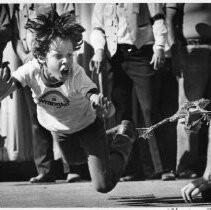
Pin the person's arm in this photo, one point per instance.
(201, 184)
(97, 37)
(7, 83)
(171, 22)
(16, 41)
(84, 85)
(172, 11)
(207, 173)
(160, 34)
(5, 26)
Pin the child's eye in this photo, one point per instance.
(70, 55)
(58, 56)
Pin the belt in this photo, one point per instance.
(127, 47)
(197, 42)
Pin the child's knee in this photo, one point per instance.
(103, 188)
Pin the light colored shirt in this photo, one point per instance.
(64, 109)
(112, 23)
(123, 35)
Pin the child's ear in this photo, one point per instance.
(41, 59)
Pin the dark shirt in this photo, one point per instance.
(5, 28)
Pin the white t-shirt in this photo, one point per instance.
(62, 109)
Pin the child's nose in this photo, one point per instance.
(64, 60)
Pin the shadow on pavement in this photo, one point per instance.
(57, 182)
(151, 200)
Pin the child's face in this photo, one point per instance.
(59, 59)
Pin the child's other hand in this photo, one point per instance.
(104, 107)
(5, 73)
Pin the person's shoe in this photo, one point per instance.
(187, 174)
(42, 178)
(112, 131)
(126, 128)
(73, 177)
(130, 178)
(168, 176)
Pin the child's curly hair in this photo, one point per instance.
(49, 26)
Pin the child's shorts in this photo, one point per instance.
(73, 146)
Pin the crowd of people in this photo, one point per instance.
(137, 43)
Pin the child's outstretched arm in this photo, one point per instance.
(7, 84)
(103, 106)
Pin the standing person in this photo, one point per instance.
(5, 32)
(202, 184)
(190, 40)
(42, 139)
(68, 102)
(134, 36)
(5, 28)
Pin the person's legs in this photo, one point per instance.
(71, 171)
(137, 66)
(90, 144)
(192, 84)
(106, 167)
(122, 100)
(42, 145)
(121, 90)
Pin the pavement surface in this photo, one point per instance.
(154, 193)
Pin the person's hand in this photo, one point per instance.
(5, 75)
(103, 107)
(158, 58)
(96, 61)
(194, 188)
(5, 72)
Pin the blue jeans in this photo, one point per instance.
(193, 82)
(91, 145)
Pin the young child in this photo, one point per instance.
(68, 102)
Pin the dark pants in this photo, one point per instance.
(42, 139)
(194, 83)
(91, 145)
(132, 67)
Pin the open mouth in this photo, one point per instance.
(64, 72)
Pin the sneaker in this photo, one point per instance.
(168, 176)
(132, 177)
(73, 178)
(187, 174)
(112, 131)
(42, 178)
(127, 128)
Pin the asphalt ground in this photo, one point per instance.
(140, 194)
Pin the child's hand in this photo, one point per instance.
(104, 107)
(4, 74)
